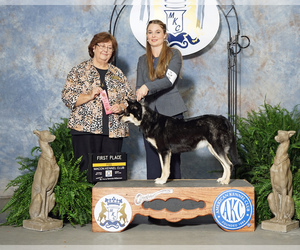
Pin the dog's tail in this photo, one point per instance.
(233, 152)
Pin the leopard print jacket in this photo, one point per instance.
(88, 117)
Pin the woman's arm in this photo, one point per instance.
(152, 87)
(172, 73)
(141, 88)
(72, 94)
(84, 98)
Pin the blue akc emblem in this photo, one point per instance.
(233, 209)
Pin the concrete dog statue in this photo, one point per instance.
(280, 200)
(168, 135)
(45, 179)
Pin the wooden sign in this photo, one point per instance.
(116, 203)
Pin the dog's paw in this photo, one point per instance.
(223, 181)
(220, 180)
(160, 181)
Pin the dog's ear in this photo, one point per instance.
(36, 132)
(130, 101)
(291, 133)
(136, 105)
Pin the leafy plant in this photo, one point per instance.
(257, 148)
(18, 205)
(296, 194)
(73, 193)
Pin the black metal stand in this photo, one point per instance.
(112, 30)
(233, 48)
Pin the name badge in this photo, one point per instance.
(115, 78)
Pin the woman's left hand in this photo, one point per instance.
(117, 108)
(141, 92)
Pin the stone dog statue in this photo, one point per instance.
(42, 194)
(280, 200)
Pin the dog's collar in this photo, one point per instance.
(279, 162)
(47, 157)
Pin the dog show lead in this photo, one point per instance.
(157, 77)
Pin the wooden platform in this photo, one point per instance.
(116, 203)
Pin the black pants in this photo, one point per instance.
(92, 143)
(153, 162)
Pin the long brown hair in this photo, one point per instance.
(164, 58)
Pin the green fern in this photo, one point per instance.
(19, 204)
(296, 194)
(257, 148)
(73, 193)
(63, 141)
(262, 190)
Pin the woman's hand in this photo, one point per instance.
(95, 92)
(141, 92)
(84, 98)
(117, 108)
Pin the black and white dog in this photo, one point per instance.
(169, 135)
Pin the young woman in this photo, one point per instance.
(157, 77)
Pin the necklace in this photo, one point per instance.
(102, 73)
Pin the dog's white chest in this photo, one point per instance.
(202, 144)
(152, 142)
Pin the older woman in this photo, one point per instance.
(94, 120)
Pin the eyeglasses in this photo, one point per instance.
(102, 47)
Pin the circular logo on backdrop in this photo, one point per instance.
(191, 24)
(113, 213)
(232, 209)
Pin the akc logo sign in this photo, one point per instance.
(113, 213)
(191, 24)
(232, 209)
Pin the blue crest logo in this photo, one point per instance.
(191, 24)
(112, 213)
(174, 20)
(233, 209)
